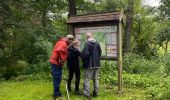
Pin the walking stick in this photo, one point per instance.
(68, 97)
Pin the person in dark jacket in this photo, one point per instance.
(73, 66)
(91, 63)
(57, 59)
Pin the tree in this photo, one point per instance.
(163, 35)
(129, 25)
(27, 30)
(72, 8)
(164, 9)
(163, 38)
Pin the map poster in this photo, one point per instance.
(105, 35)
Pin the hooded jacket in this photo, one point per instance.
(91, 54)
(59, 53)
(73, 57)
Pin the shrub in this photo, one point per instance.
(160, 91)
(165, 60)
(111, 68)
(140, 80)
(38, 76)
(13, 68)
(42, 66)
(136, 64)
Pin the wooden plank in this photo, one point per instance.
(95, 17)
(120, 79)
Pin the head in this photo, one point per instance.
(88, 35)
(75, 42)
(70, 38)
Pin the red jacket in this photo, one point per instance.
(59, 52)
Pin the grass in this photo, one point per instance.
(42, 90)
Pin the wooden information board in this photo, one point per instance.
(107, 30)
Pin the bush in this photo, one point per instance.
(13, 68)
(111, 68)
(165, 60)
(160, 91)
(42, 66)
(38, 76)
(140, 80)
(136, 64)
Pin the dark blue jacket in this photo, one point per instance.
(91, 54)
(73, 57)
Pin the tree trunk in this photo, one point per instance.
(72, 12)
(72, 8)
(44, 18)
(128, 27)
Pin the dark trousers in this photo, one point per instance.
(72, 71)
(57, 76)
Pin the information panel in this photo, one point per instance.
(105, 35)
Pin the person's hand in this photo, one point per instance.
(61, 62)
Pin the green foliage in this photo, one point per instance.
(143, 33)
(164, 8)
(140, 80)
(38, 76)
(165, 60)
(39, 67)
(153, 74)
(160, 91)
(99, 6)
(27, 31)
(162, 38)
(111, 68)
(13, 68)
(136, 64)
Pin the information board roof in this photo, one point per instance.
(111, 16)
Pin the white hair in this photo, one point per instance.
(70, 36)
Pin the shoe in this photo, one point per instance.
(58, 98)
(88, 97)
(78, 93)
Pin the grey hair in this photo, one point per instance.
(70, 36)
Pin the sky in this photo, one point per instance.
(153, 3)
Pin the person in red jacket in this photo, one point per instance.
(57, 59)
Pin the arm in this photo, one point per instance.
(85, 56)
(85, 52)
(78, 53)
(100, 50)
(62, 56)
(62, 53)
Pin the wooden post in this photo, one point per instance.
(120, 81)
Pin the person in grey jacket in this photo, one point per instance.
(91, 63)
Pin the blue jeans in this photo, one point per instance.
(57, 76)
